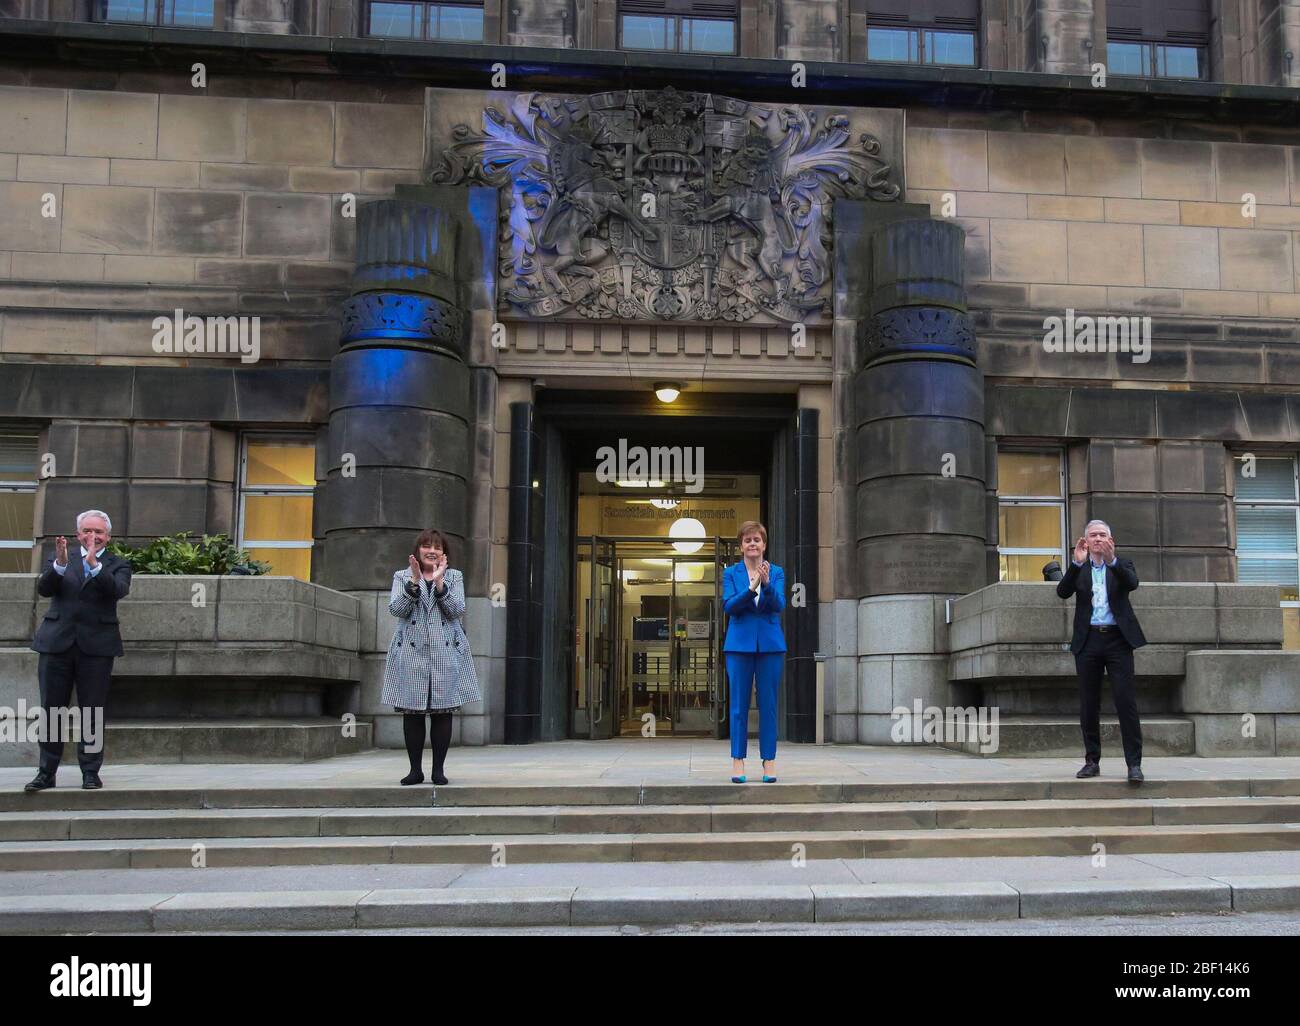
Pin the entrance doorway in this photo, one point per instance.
(648, 640)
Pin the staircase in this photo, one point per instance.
(116, 829)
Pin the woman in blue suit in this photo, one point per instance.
(753, 595)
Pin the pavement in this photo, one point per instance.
(651, 761)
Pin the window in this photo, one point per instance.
(17, 502)
(923, 31)
(1268, 514)
(920, 46)
(1154, 60)
(1031, 513)
(459, 22)
(1157, 38)
(681, 25)
(180, 13)
(277, 476)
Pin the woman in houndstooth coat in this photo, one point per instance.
(430, 670)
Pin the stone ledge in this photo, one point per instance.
(616, 906)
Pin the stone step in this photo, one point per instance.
(267, 739)
(565, 906)
(652, 847)
(1110, 785)
(1059, 737)
(636, 819)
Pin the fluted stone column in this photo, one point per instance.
(400, 413)
(920, 455)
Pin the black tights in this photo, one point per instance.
(439, 733)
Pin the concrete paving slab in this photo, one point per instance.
(306, 910)
(1263, 893)
(865, 902)
(1111, 897)
(478, 906)
(109, 913)
(608, 906)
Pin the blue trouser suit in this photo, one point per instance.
(755, 651)
(742, 668)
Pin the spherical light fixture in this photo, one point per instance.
(687, 529)
(667, 391)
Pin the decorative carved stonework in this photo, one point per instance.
(666, 205)
(401, 316)
(926, 329)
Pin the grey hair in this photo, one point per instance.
(1103, 524)
(95, 513)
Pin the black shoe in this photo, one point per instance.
(414, 777)
(91, 782)
(1135, 775)
(40, 782)
(439, 779)
(1090, 769)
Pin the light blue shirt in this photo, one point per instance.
(1101, 614)
(85, 567)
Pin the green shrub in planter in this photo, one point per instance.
(178, 554)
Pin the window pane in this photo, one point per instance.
(1030, 527)
(286, 562)
(1035, 474)
(280, 464)
(462, 23)
(641, 33)
(17, 516)
(401, 21)
(700, 36)
(1126, 58)
(1023, 568)
(1274, 479)
(891, 44)
(187, 13)
(1178, 61)
(18, 457)
(15, 561)
(1291, 628)
(1268, 571)
(277, 518)
(1264, 530)
(128, 10)
(950, 48)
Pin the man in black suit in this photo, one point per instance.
(77, 641)
(1106, 632)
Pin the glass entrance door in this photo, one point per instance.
(648, 659)
(602, 618)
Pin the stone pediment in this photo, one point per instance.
(662, 205)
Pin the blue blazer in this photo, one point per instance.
(753, 628)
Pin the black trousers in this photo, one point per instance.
(59, 673)
(1106, 652)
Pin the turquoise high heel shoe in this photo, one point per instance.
(768, 779)
(737, 780)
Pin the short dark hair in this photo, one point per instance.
(430, 538)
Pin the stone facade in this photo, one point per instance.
(126, 192)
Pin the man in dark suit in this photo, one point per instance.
(77, 641)
(1106, 632)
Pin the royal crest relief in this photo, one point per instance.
(665, 205)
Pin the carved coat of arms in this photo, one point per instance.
(665, 205)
